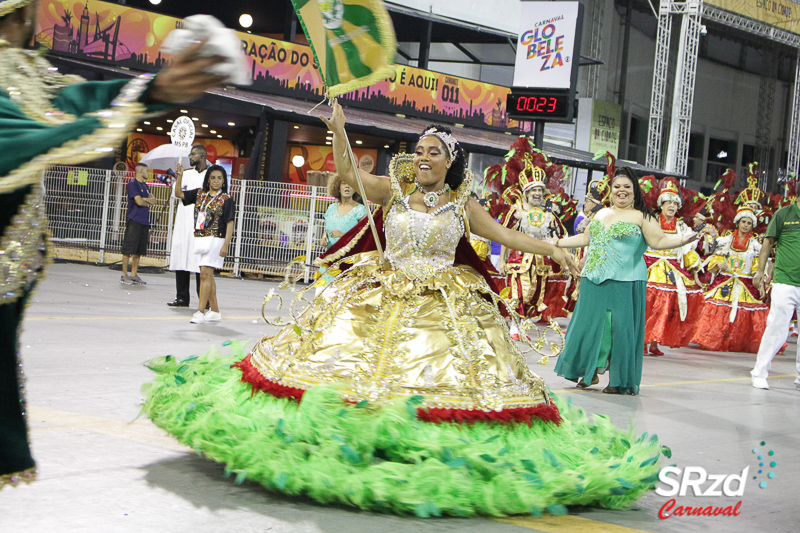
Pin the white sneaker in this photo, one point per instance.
(760, 383)
(213, 316)
(197, 318)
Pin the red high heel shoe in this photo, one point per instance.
(654, 351)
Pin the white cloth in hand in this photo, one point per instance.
(221, 42)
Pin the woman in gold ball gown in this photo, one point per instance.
(398, 388)
(416, 324)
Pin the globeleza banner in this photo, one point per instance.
(121, 36)
(546, 45)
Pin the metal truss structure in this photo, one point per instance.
(777, 35)
(683, 95)
(794, 133)
(766, 106)
(685, 76)
(596, 45)
(751, 26)
(692, 12)
(660, 70)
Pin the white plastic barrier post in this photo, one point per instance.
(312, 212)
(104, 215)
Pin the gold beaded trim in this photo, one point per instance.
(403, 180)
(12, 5)
(26, 476)
(31, 82)
(23, 247)
(117, 120)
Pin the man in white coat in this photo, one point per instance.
(182, 258)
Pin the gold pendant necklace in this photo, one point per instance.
(431, 199)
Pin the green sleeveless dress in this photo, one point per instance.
(607, 328)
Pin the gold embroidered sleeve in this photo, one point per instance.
(30, 152)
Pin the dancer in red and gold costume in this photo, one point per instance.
(701, 221)
(752, 197)
(674, 300)
(705, 247)
(596, 199)
(537, 284)
(734, 315)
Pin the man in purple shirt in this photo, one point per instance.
(137, 225)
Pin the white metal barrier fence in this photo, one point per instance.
(275, 222)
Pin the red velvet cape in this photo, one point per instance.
(465, 253)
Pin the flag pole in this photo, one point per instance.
(354, 163)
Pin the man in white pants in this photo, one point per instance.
(182, 258)
(783, 230)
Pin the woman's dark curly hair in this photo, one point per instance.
(334, 191)
(638, 197)
(458, 165)
(207, 187)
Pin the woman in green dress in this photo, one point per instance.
(607, 328)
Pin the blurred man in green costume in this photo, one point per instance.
(48, 118)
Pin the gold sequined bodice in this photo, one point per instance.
(420, 244)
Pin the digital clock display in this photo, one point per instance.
(548, 105)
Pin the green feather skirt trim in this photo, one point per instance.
(383, 458)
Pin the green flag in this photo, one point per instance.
(353, 41)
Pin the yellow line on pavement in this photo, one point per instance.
(565, 524)
(671, 383)
(140, 431)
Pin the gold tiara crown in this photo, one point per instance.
(752, 194)
(448, 140)
(531, 176)
(669, 192)
(598, 191)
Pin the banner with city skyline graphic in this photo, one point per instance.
(126, 37)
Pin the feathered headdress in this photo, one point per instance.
(752, 194)
(789, 187)
(611, 169)
(669, 192)
(724, 211)
(650, 190)
(526, 167)
(696, 204)
(727, 180)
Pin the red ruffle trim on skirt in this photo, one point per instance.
(251, 375)
(663, 318)
(716, 332)
(546, 412)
